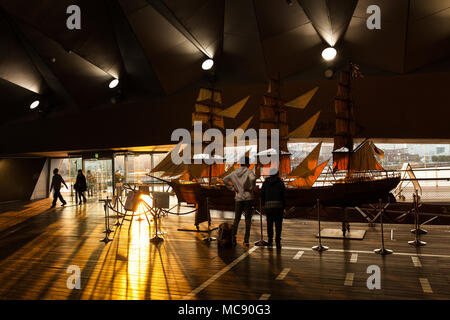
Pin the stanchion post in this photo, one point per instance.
(261, 241)
(383, 251)
(416, 219)
(106, 208)
(320, 247)
(416, 242)
(106, 239)
(156, 238)
(159, 221)
(155, 213)
(116, 205)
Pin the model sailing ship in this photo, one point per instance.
(365, 181)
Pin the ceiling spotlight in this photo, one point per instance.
(35, 104)
(114, 83)
(329, 73)
(329, 53)
(207, 64)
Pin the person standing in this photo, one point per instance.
(272, 198)
(243, 182)
(57, 180)
(80, 187)
(90, 183)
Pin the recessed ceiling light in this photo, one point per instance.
(329, 53)
(329, 73)
(35, 104)
(207, 64)
(114, 83)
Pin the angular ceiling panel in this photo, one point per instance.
(140, 77)
(421, 9)
(391, 11)
(293, 51)
(289, 39)
(157, 46)
(203, 19)
(95, 41)
(13, 95)
(15, 64)
(86, 83)
(384, 48)
(243, 53)
(329, 17)
(276, 17)
(176, 61)
(428, 33)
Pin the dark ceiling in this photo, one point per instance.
(156, 47)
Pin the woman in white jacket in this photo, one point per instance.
(243, 182)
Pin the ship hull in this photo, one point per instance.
(348, 194)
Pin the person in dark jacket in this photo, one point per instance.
(272, 198)
(57, 180)
(80, 187)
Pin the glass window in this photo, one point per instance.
(68, 169)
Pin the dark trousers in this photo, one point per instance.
(246, 208)
(57, 195)
(90, 190)
(274, 216)
(78, 195)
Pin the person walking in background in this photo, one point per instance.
(272, 199)
(90, 183)
(243, 182)
(80, 187)
(57, 180)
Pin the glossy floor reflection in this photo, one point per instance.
(38, 245)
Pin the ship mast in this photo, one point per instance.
(208, 110)
(345, 122)
(273, 116)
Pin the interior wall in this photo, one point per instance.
(413, 106)
(18, 177)
(42, 185)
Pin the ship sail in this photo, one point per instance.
(166, 163)
(309, 164)
(304, 131)
(307, 172)
(345, 157)
(273, 115)
(308, 180)
(209, 94)
(239, 134)
(302, 101)
(209, 110)
(233, 111)
(362, 159)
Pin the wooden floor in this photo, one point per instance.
(38, 245)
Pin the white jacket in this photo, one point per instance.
(243, 181)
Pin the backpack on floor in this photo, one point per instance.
(225, 237)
